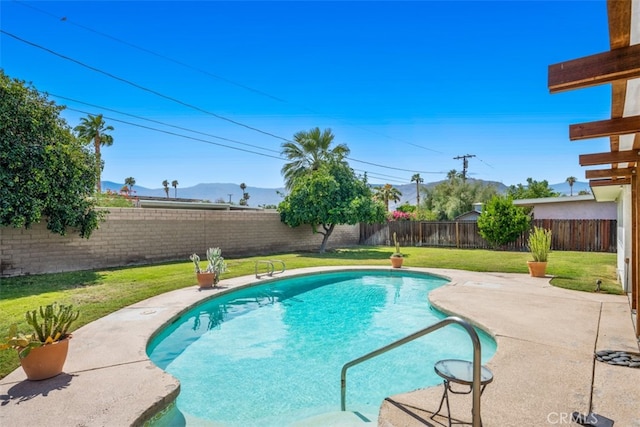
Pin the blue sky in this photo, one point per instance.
(407, 86)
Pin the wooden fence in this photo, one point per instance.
(567, 235)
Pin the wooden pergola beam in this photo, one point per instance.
(626, 156)
(618, 14)
(606, 67)
(608, 182)
(609, 173)
(602, 128)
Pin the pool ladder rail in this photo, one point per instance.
(444, 322)
(271, 268)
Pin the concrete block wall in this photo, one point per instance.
(131, 236)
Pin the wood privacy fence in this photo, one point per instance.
(588, 235)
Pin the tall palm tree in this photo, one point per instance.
(244, 200)
(571, 180)
(418, 180)
(130, 182)
(174, 184)
(387, 193)
(308, 151)
(165, 184)
(94, 129)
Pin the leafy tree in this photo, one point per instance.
(165, 184)
(174, 184)
(130, 182)
(533, 190)
(308, 151)
(571, 180)
(501, 221)
(45, 172)
(387, 193)
(406, 208)
(329, 196)
(93, 129)
(454, 197)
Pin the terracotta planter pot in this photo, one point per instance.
(206, 280)
(537, 269)
(396, 261)
(46, 361)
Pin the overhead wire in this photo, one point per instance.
(208, 73)
(179, 135)
(159, 122)
(186, 104)
(139, 86)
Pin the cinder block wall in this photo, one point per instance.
(144, 236)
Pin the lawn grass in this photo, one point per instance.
(98, 293)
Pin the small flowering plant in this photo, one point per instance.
(401, 216)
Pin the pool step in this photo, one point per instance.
(338, 419)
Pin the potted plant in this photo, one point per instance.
(540, 246)
(216, 265)
(397, 257)
(43, 353)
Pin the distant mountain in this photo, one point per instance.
(269, 196)
(565, 189)
(211, 192)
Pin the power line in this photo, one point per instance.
(205, 72)
(158, 122)
(211, 135)
(154, 92)
(138, 86)
(180, 135)
(390, 167)
(214, 136)
(465, 164)
(151, 52)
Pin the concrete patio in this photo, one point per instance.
(544, 367)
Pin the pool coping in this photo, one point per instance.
(109, 380)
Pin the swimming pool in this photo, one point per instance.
(271, 354)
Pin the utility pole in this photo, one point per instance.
(230, 194)
(465, 164)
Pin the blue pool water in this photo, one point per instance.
(272, 354)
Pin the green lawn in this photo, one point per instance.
(98, 293)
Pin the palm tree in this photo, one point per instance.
(93, 129)
(453, 174)
(308, 152)
(244, 201)
(387, 193)
(418, 180)
(165, 184)
(130, 182)
(174, 184)
(571, 180)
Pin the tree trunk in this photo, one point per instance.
(96, 144)
(325, 238)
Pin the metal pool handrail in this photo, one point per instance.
(444, 322)
(271, 267)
